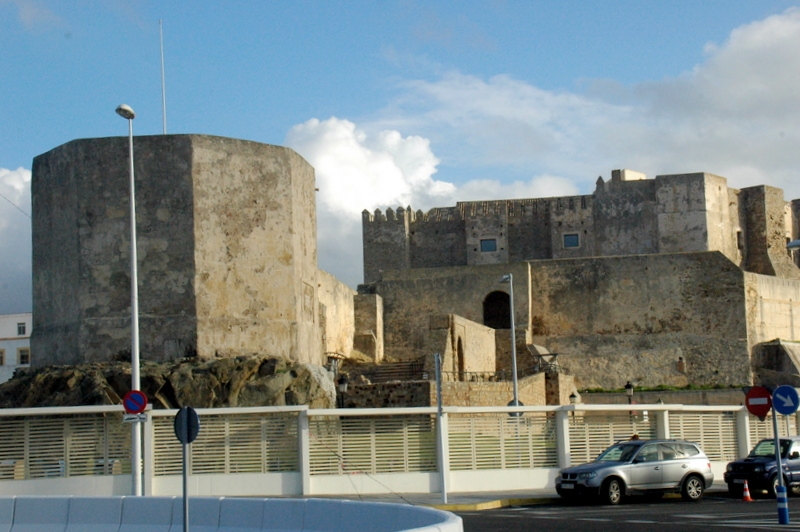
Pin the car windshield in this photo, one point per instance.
(766, 449)
(621, 452)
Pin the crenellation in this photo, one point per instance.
(627, 215)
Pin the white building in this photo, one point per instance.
(15, 343)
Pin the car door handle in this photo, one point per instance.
(657, 468)
(685, 466)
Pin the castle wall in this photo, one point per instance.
(486, 222)
(216, 269)
(369, 330)
(766, 232)
(773, 308)
(650, 319)
(466, 347)
(385, 240)
(437, 239)
(682, 213)
(411, 297)
(256, 288)
(337, 305)
(628, 215)
(572, 216)
(423, 393)
(529, 230)
(81, 250)
(625, 219)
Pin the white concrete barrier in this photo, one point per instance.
(209, 514)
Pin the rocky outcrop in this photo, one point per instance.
(247, 380)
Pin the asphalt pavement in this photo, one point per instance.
(476, 501)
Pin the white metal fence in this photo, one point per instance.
(294, 451)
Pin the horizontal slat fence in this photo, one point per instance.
(93, 441)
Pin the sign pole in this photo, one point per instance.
(187, 427)
(785, 401)
(780, 489)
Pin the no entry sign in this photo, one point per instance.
(758, 401)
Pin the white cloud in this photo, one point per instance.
(15, 240)
(734, 115)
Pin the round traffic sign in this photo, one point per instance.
(187, 425)
(785, 400)
(758, 401)
(134, 402)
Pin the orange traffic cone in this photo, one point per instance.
(746, 493)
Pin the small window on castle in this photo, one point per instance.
(489, 244)
(24, 355)
(571, 241)
(20, 329)
(739, 240)
(2, 357)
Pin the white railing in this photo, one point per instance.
(297, 451)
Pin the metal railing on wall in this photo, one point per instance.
(85, 442)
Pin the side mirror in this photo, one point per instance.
(795, 455)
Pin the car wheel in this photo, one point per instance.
(612, 491)
(773, 485)
(693, 488)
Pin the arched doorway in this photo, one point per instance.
(496, 311)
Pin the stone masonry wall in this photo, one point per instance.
(218, 271)
(337, 299)
(423, 393)
(651, 319)
(369, 339)
(81, 250)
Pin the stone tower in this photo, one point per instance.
(226, 245)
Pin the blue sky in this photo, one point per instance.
(409, 102)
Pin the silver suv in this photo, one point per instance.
(651, 467)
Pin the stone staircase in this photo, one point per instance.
(394, 371)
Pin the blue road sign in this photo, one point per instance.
(785, 400)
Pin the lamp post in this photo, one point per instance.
(136, 428)
(342, 383)
(629, 392)
(509, 278)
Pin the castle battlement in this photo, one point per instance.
(627, 215)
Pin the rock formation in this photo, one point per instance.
(245, 380)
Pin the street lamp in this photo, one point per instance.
(573, 400)
(629, 392)
(342, 382)
(136, 428)
(509, 278)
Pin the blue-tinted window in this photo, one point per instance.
(571, 241)
(490, 244)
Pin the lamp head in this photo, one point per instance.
(794, 244)
(126, 112)
(506, 278)
(342, 382)
(629, 388)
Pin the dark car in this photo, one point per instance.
(760, 469)
(652, 467)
